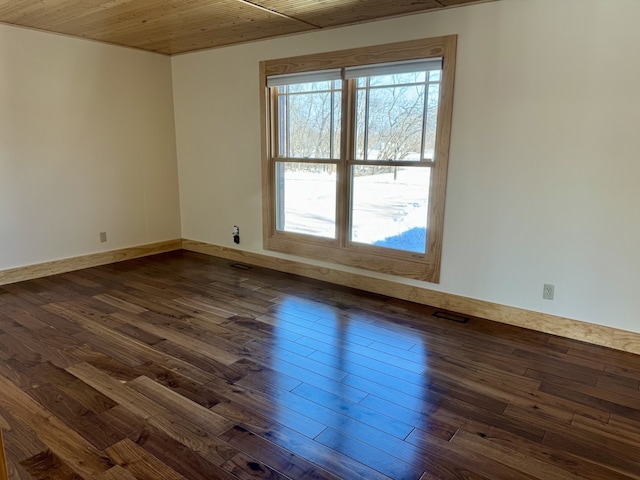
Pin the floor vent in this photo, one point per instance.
(451, 316)
(241, 266)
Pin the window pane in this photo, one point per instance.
(393, 119)
(431, 121)
(337, 125)
(361, 123)
(393, 79)
(389, 207)
(306, 198)
(308, 118)
(307, 87)
(435, 75)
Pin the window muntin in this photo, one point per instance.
(387, 183)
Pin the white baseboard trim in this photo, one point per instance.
(542, 322)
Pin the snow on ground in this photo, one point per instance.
(383, 207)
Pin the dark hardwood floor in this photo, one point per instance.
(181, 366)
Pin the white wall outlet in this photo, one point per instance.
(547, 291)
(103, 237)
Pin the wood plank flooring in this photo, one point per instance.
(181, 366)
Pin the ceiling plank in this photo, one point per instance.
(178, 26)
(331, 13)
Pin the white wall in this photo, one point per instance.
(544, 179)
(87, 144)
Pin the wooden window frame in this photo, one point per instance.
(341, 251)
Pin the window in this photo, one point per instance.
(355, 154)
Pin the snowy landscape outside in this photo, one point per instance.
(395, 120)
(386, 212)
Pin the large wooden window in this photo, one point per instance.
(355, 154)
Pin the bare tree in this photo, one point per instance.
(392, 118)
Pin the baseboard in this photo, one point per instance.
(38, 270)
(542, 322)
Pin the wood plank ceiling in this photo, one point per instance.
(179, 26)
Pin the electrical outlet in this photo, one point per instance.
(547, 291)
(103, 237)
